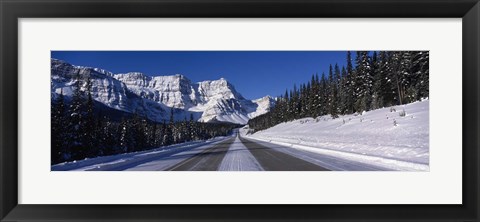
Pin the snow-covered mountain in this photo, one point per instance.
(154, 96)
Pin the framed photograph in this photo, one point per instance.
(277, 110)
(343, 119)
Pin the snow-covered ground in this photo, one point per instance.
(238, 158)
(143, 160)
(381, 137)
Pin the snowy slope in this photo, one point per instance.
(264, 105)
(105, 89)
(216, 100)
(154, 96)
(173, 91)
(380, 137)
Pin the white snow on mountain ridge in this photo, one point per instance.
(215, 100)
(105, 88)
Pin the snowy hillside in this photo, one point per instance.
(105, 89)
(154, 96)
(264, 105)
(173, 91)
(383, 137)
(216, 100)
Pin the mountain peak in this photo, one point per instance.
(132, 74)
(212, 100)
(265, 98)
(216, 81)
(62, 68)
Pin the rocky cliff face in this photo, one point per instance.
(154, 96)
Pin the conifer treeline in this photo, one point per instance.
(374, 80)
(77, 132)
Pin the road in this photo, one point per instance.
(227, 155)
(207, 160)
(232, 153)
(244, 154)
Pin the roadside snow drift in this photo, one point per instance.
(141, 160)
(395, 137)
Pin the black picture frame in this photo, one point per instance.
(11, 11)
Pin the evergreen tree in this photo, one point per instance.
(183, 132)
(421, 72)
(375, 90)
(333, 92)
(153, 135)
(169, 134)
(318, 96)
(389, 89)
(334, 104)
(401, 71)
(76, 121)
(362, 82)
(330, 83)
(156, 136)
(349, 86)
(108, 138)
(60, 151)
(343, 92)
(191, 128)
(166, 140)
(312, 101)
(138, 133)
(308, 101)
(89, 137)
(406, 74)
(381, 80)
(124, 136)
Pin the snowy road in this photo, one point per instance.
(207, 160)
(274, 160)
(240, 154)
(233, 153)
(239, 158)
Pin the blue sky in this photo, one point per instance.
(253, 73)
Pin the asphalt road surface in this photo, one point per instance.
(233, 153)
(273, 160)
(208, 160)
(269, 159)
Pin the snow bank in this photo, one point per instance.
(137, 157)
(383, 137)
